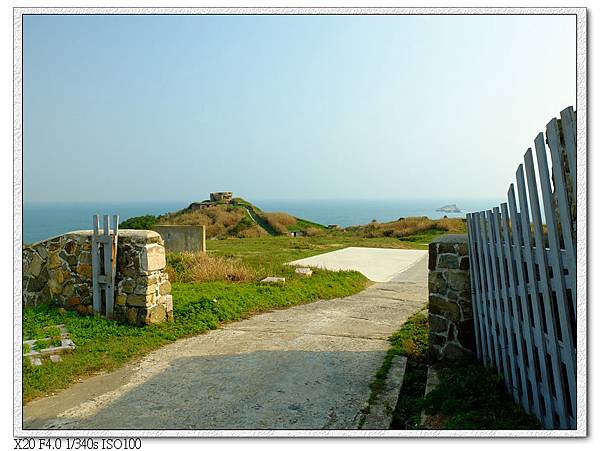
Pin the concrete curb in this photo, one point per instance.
(433, 380)
(382, 410)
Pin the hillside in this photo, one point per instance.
(235, 218)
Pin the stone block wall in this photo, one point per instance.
(60, 270)
(182, 238)
(450, 308)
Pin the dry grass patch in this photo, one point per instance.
(315, 231)
(253, 232)
(219, 220)
(408, 226)
(200, 267)
(280, 221)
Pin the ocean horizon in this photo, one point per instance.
(42, 220)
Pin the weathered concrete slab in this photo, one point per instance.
(379, 265)
(306, 367)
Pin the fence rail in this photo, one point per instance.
(523, 269)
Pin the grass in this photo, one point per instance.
(469, 396)
(200, 267)
(272, 252)
(280, 221)
(303, 224)
(254, 258)
(411, 226)
(220, 220)
(240, 219)
(230, 291)
(473, 397)
(410, 341)
(36, 332)
(106, 345)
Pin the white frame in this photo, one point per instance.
(581, 108)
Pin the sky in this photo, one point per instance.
(154, 108)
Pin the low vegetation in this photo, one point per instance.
(220, 220)
(105, 345)
(254, 258)
(241, 219)
(222, 285)
(139, 222)
(200, 267)
(411, 226)
(470, 396)
(280, 222)
(410, 341)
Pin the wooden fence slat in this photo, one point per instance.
(479, 293)
(535, 299)
(484, 297)
(528, 334)
(485, 293)
(558, 275)
(485, 345)
(96, 270)
(523, 279)
(498, 319)
(569, 126)
(474, 276)
(544, 289)
(106, 248)
(503, 294)
(561, 195)
(512, 278)
(490, 291)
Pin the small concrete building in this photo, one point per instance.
(199, 206)
(223, 196)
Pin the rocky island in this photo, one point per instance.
(449, 209)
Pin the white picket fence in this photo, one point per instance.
(523, 280)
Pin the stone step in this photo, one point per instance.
(381, 411)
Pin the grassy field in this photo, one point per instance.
(241, 219)
(273, 251)
(229, 291)
(198, 307)
(469, 396)
(410, 341)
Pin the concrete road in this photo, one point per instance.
(378, 265)
(306, 367)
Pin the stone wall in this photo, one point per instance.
(450, 307)
(60, 269)
(182, 238)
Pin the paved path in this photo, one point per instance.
(377, 264)
(306, 367)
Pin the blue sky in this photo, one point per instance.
(143, 108)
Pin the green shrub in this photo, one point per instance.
(139, 222)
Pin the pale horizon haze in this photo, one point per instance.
(155, 108)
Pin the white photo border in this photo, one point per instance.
(581, 108)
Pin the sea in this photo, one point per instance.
(45, 220)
